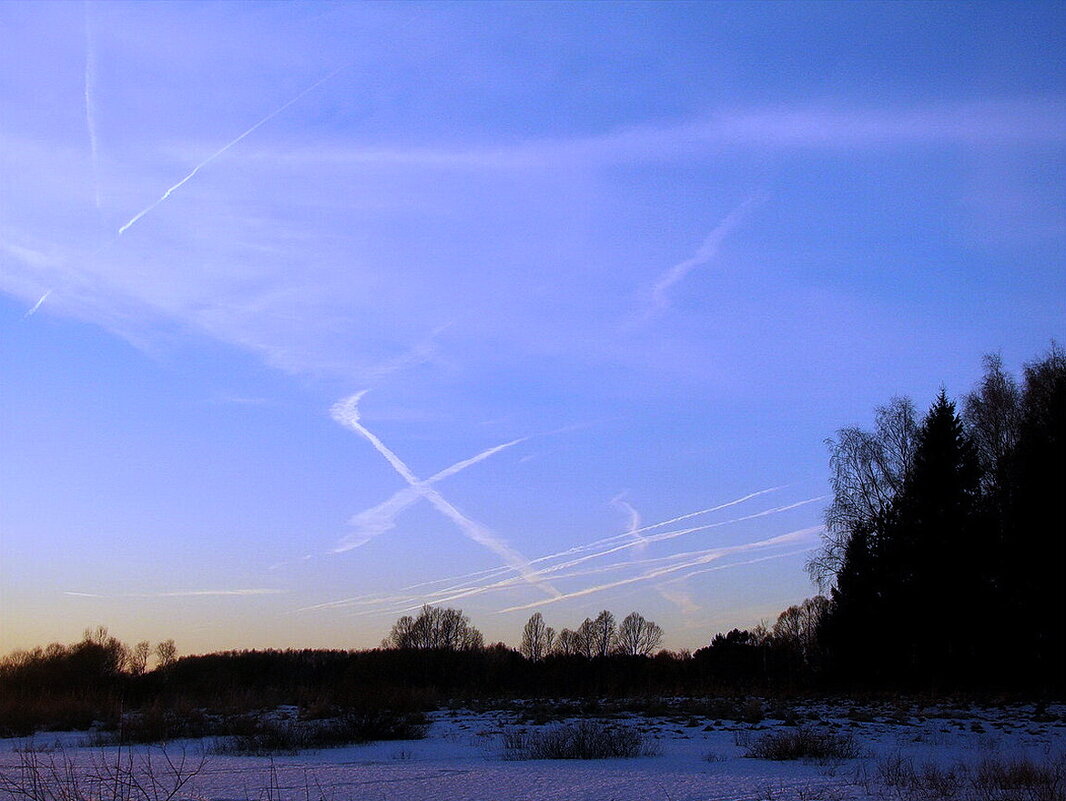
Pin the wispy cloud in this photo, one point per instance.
(346, 412)
(1005, 121)
(226, 147)
(180, 593)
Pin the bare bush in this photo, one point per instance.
(585, 739)
(262, 736)
(123, 776)
(994, 779)
(805, 743)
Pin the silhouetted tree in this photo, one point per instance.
(537, 638)
(567, 643)
(165, 653)
(868, 470)
(585, 638)
(1035, 587)
(637, 636)
(436, 628)
(796, 630)
(603, 634)
(138, 657)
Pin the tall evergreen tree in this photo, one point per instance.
(1035, 584)
(932, 558)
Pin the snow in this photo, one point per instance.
(462, 758)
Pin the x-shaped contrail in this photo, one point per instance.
(346, 412)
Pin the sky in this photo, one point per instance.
(312, 313)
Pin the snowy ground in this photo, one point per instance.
(700, 759)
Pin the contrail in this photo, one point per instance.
(90, 116)
(554, 570)
(462, 582)
(652, 574)
(459, 592)
(658, 566)
(707, 251)
(226, 147)
(33, 310)
(382, 518)
(679, 598)
(346, 412)
(491, 573)
(634, 521)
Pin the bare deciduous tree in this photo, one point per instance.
(603, 634)
(868, 471)
(586, 638)
(166, 653)
(537, 638)
(137, 659)
(444, 629)
(992, 415)
(567, 643)
(797, 626)
(637, 636)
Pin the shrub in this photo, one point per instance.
(584, 739)
(1020, 778)
(264, 736)
(1014, 779)
(123, 777)
(804, 743)
(252, 736)
(158, 724)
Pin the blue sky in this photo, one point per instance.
(624, 266)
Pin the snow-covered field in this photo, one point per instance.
(463, 758)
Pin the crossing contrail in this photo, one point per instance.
(381, 518)
(346, 412)
(226, 147)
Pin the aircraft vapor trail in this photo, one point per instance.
(226, 147)
(628, 536)
(665, 566)
(381, 518)
(554, 570)
(706, 252)
(346, 412)
(711, 556)
(682, 600)
(634, 521)
(490, 573)
(660, 537)
(33, 309)
(459, 592)
(90, 115)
